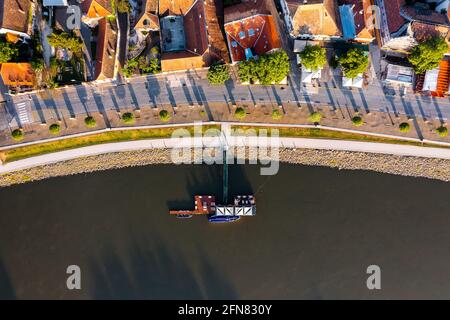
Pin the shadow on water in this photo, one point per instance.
(156, 272)
(210, 182)
(7, 291)
(205, 182)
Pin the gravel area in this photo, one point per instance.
(407, 166)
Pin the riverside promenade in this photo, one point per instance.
(232, 141)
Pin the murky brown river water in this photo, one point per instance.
(315, 233)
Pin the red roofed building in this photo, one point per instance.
(394, 18)
(250, 30)
(191, 36)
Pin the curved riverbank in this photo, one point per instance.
(438, 169)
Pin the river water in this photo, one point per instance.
(316, 232)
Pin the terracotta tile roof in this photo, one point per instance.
(96, 8)
(214, 20)
(148, 16)
(195, 29)
(174, 7)
(315, 17)
(257, 33)
(245, 9)
(417, 13)
(172, 61)
(204, 37)
(394, 19)
(106, 49)
(17, 74)
(147, 21)
(14, 14)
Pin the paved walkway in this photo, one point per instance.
(370, 147)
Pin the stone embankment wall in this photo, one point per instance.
(398, 165)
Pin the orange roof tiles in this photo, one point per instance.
(258, 33)
(14, 14)
(174, 7)
(17, 74)
(314, 17)
(147, 17)
(96, 8)
(106, 49)
(394, 19)
(203, 34)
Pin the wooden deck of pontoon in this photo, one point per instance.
(203, 205)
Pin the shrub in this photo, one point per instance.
(123, 6)
(218, 73)
(315, 117)
(128, 117)
(7, 52)
(276, 114)
(37, 64)
(202, 113)
(90, 122)
(164, 115)
(54, 128)
(65, 40)
(240, 113)
(17, 134)
(404, 127)
(442, 131)
(357, 121)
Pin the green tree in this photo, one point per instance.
(315, 117)
(276, 114)
(357, 121)
(442, 131)
(164, 115)
(404, 127)
(218, 73)
(240, 113)
(54, 128)
(128, 118)
(354, 62)
(65, 40)
(313, 57)
(272, 68)
(426, 55)
(90, 122)
(153, 66)
(17, 134)
(268, 69)
(7, 52)
(246, 71)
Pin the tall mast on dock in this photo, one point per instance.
(225, 176)
(224, 133)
